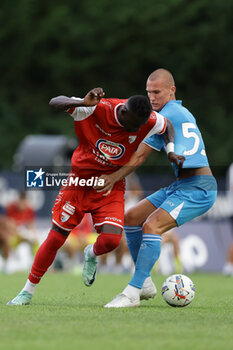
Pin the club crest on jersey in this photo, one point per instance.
(64, 217)
(132, 138)
(110, 150)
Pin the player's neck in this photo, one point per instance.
(173, 97)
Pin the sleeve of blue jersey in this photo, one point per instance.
(155, 141)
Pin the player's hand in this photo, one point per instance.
(176, 159)
(109, 181)
(93, 97)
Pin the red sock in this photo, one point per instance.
(45, 255)
(106, 242)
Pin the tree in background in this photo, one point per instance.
(56, 47)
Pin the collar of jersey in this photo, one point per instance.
(115, 113)
(175, 101)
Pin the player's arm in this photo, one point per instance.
(169, 133)
(135, 161)
(169, 139)
(165, 128)
(64, 103)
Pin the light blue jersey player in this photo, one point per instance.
(191, 195)
(188, 139)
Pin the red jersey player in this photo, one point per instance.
(21, 212)
(109, 131)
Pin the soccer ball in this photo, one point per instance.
(178, 290)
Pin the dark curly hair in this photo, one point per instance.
(139, 105)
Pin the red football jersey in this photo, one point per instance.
(104, 144)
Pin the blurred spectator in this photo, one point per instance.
(21, 212)
(169, 261)
(8, 230)
(23, 215)
(228, 267)
(230, 190)
(134, 191)
(18, 236)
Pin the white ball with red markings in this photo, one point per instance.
(178, 290)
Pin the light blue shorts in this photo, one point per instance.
(186, 199)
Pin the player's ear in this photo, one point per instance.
(173, 89)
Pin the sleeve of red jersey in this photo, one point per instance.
(159, 126)
(81, 113)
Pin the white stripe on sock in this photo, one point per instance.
(151, 238)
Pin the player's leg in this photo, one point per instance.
(136, 216)
(108, 239)
(43, 260)
(108, 220)
(186, 199)
(134, 219)
(156, 224)
(64, 221)
(130, 296)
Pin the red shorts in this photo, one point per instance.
(72, 203)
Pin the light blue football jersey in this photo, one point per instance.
(188, 139)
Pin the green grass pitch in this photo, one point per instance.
(64, 314)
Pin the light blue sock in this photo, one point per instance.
(148, 254)
(133, 236)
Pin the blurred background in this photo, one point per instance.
(52, 48)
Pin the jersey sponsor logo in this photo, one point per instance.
(110, 150)
(112, 219)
